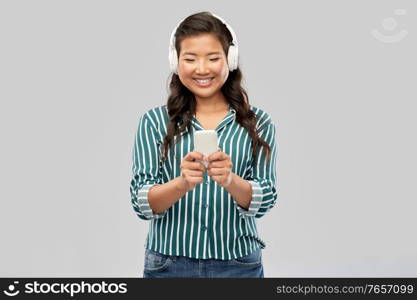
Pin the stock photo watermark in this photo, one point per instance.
(391, 33)
(70, 289)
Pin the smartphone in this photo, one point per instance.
(205, 142)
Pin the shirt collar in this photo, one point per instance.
(226, 120)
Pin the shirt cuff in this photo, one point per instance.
(142, 196)
(255, 202)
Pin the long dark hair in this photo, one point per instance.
(181, 102)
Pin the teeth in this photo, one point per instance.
(203, 80)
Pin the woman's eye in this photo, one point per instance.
(190, 60)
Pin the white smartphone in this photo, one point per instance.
(205, 142)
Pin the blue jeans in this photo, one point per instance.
(159, 265)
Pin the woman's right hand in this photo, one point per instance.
(192, 172)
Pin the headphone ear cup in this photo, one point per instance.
(232, 58)
(173, 60)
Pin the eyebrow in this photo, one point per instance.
(191, 53)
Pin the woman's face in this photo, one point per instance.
(202, 57)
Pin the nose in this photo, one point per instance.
(202, 67)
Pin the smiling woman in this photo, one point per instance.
(203, 66)
(203, 214)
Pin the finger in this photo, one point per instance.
(219, 155)
(216, 164)
(213, 156)
(217, 171)
(194, 166)
(191, 156)
(193, 173)
(199, 155)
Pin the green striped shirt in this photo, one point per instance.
(206, 222)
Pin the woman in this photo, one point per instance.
(202, 220)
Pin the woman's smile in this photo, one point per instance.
(203, 83)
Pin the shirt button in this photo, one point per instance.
(206, 182)
(203, 227)
(205, 205)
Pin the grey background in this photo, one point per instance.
(76, 75)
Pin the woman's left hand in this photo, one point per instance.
(220, 168)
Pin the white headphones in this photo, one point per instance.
(232, 56)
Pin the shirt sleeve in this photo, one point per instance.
(146, 160)
(262, 176)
